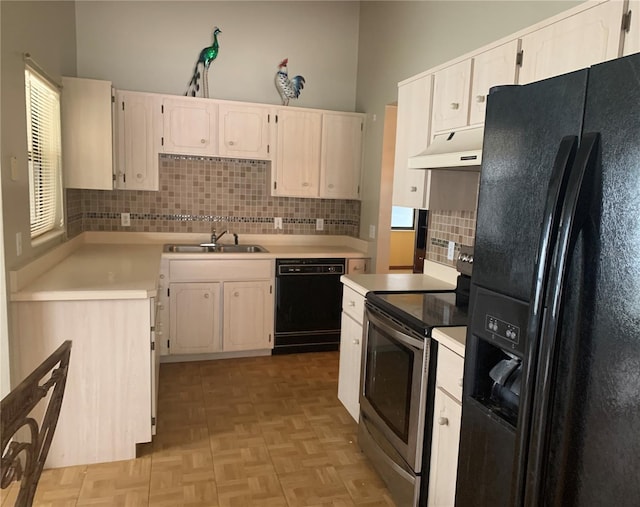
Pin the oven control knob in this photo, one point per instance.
(356, 342)
(443, 421)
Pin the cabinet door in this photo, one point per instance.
(190, 126)
(632, 34)
(248, 316)
(194, 318)
(155, 362)
(412, 137)
(451, 96)
(244, 131)
(87, 133)
(357, 266)
(494, 67)
(138, 145)
(297, 158)
(341, 158)
(349, 368)
(589, 37)
(444, 450)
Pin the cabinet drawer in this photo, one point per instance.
(353, 304)
(449, 372)
(218, 270)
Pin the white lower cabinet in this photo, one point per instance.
(195, 318)
(248, 315)
(349, 371)
(444, 450)
(447, 415)
(351, 351)
(219, 306)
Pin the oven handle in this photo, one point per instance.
(395, 331)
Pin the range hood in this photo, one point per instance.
(460, 149)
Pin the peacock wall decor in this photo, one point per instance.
(199, 84)
(288, 88)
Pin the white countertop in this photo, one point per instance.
(395, 282)
(98, 271)
(454, 338)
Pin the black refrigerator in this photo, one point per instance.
(551, 396)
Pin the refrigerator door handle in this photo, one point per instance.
(553, 206)
(572, 217)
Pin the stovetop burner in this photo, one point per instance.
(422, 311)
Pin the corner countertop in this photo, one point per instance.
(98, 271)
(454, 338)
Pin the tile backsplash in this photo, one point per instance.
(197, 192)
(445, 226)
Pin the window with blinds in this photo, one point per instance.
(44, 154)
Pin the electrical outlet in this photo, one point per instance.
(372, 231)
(319, 224)
(18, 244)
(125, 219)
(451, 250)
(277, 223)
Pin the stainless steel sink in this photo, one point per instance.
(207, 248)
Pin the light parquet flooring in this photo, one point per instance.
(264, 431)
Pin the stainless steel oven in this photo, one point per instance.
(398, 384)
(396, 402)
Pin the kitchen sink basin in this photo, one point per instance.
(208, 248)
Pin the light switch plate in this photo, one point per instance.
(277, 223)
(372, 231)
(319, 224)
(125, 219)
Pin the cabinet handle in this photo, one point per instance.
(413, 189)
(480, 98)
(443, 421)
(139, 176)
(160, 305)
(158, 333)
(357, 268)
(236, 294)
(356, 342)
(460, 382)
(202, 141)
(330, 185)
(161, 277)
(305, 184)
(231, 143)
(454, 105)
(206, 295)
(352, 303)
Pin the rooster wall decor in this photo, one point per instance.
(288, 88)
(199, 80)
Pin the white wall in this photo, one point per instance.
(400, 39)
(153, 45)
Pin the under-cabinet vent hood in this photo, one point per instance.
(460, 149)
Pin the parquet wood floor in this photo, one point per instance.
(264, 431)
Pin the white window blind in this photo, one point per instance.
(44, 154)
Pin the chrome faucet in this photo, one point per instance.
(214, 237)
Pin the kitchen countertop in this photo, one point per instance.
(395, 282)
(126, 265)
(98, 271)
(454, 338)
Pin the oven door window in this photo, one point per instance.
(389, 374)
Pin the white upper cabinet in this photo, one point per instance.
(190, 126)
(244, 131)
(632, 29)
(490, 68)
(341, 155)
(138, 140)
(87, 133)
(297, 160)
(583, 39)
(451, 96)
(412, 137)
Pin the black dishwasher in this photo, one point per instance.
(308, 305)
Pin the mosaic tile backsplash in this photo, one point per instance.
(199, 193)
(445, 226)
